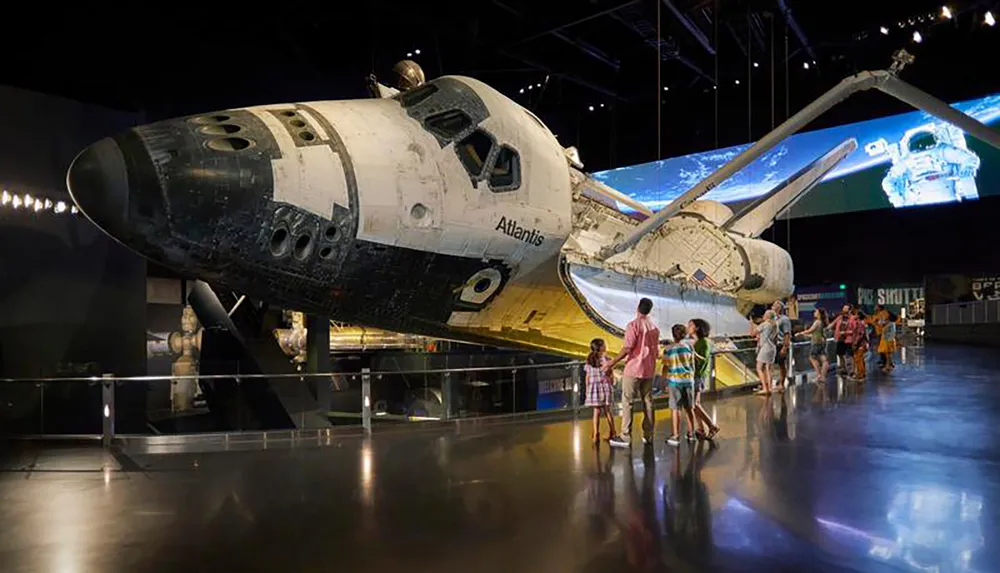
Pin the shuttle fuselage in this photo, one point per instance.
(447, 210)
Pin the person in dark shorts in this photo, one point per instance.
(678, 369)
(698, 329)
(843, 335)
(817, 344)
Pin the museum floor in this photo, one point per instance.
(901, 474)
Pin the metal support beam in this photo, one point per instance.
(318, 359)
(690, 26)
(570, 77)
(881, 80)
(799, 33)
(736, 37)
(695, 68)
(605, 12)
(590, 50)
(585, 47)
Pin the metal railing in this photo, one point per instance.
(977, 312)
(109, 407)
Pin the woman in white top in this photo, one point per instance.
(766, 334)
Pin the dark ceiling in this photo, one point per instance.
(582, 53)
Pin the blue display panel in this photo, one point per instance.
(902, 160)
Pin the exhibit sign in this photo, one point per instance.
(808, 299)
(986, 288)
(901, 161)
(892, 298)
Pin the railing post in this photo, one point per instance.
(366, 400)
(574, 378)
(513, 391)
(108, 411)
(41, 407)
(446, 395)
(711, 373)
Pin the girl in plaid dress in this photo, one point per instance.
(600, 387)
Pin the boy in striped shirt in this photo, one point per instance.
(678, 369)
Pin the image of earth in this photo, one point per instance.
(657, 183)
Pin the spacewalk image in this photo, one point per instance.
(930, 164)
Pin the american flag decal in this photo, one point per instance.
(702, 278)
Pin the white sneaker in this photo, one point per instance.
(621, 442)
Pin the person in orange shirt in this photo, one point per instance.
(877, 320)
(859, 324)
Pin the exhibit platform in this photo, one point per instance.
(899, 474)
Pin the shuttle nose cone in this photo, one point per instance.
(98, 183)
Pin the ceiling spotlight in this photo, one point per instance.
(756, 64)
(805, 65)
(602, 105)
(538, 85)
(60, 207)
(522, 91)
(38, 205)
(48, 203)
(917, 37)
(4, 197)
(409, 54)
(591, 108)
(417, 52)
(531, 87)
(666, 89)
(990, 20)
(17, 202)
(715, 87)
(737, 82)
(74, 210)
(28, 200)
(884, 30)
(946, 12)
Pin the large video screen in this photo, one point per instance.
(901, 161)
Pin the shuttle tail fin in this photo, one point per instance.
(753, 219)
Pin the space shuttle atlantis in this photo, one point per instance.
(446, 210)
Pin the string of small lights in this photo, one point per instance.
(26, 202)
(917, 25)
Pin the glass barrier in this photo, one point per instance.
(232, 403)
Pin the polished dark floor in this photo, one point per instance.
(900, 474)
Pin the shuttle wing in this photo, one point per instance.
(753, 219)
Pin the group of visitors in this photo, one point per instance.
(854, 334)
(687, 364)
(774, 343)
(686, 368)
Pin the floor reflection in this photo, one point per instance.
(896, 474)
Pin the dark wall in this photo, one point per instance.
(71, 299)
(893, 245)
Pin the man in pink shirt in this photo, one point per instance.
(845, 331)
(641, 348)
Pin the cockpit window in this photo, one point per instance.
(416, 95)
(506, 172)
(474, 150)
(922, 142)
(448, 124)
